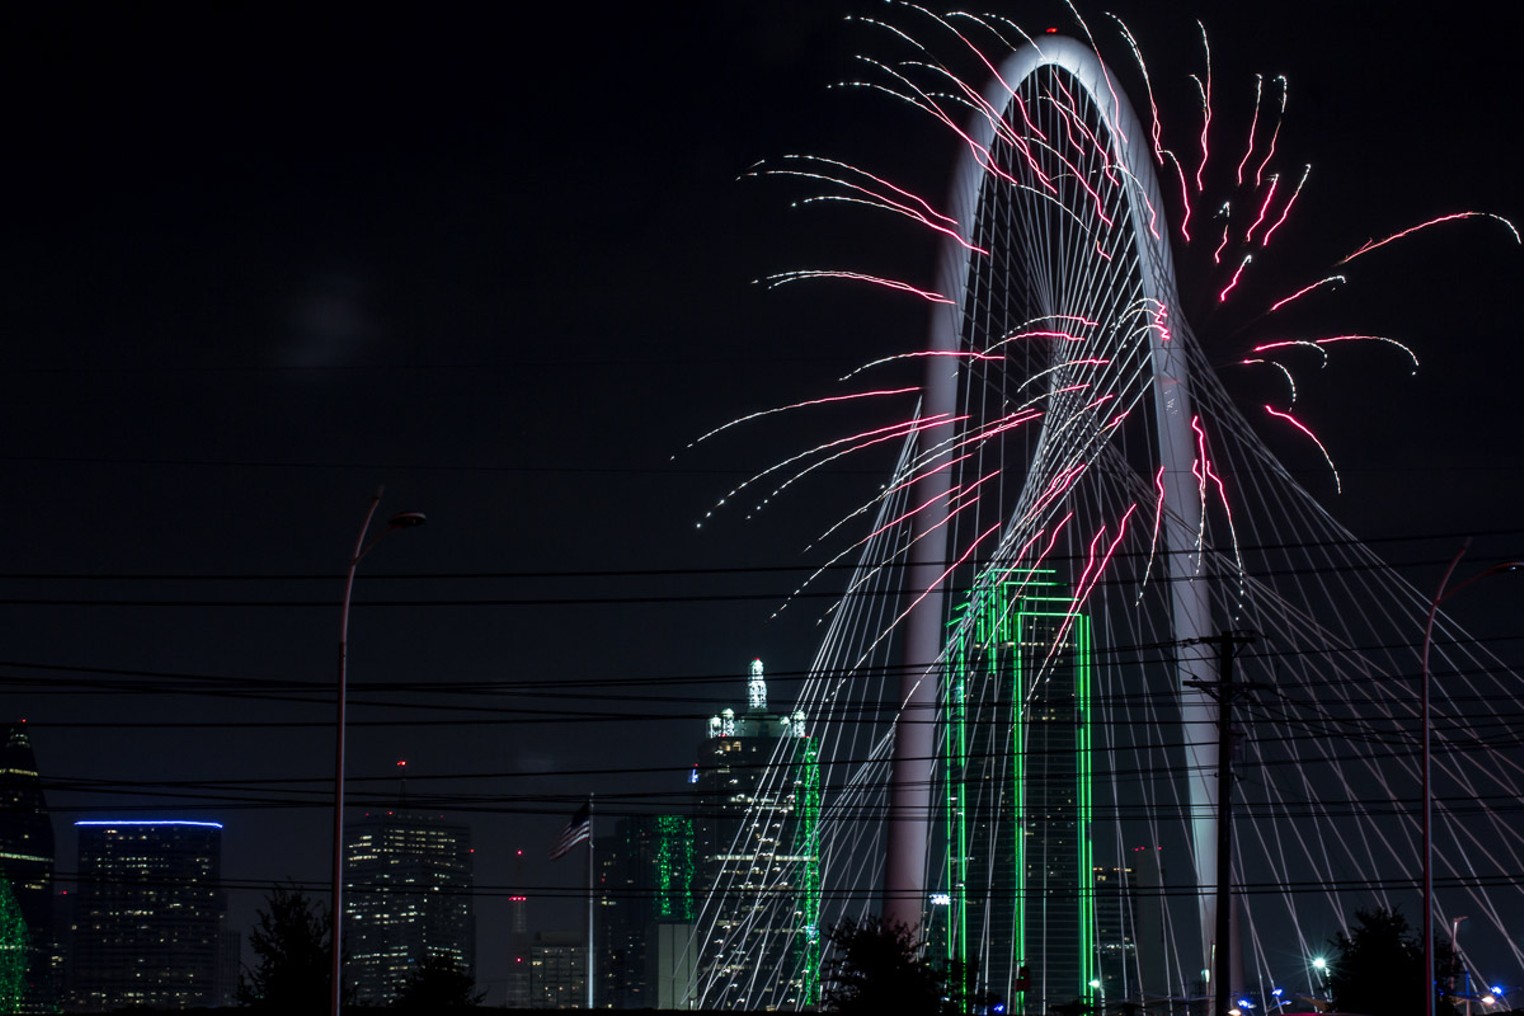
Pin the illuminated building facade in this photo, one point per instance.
(647, 875)
(757, 835)
(1020, 914)
(150, 918)
(558, 971)
(27, 859)
(1115, 940)
(407, 897)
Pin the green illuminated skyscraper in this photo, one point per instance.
(1016, 919)
(647, 875)
(26, 864)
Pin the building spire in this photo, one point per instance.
(756, 689)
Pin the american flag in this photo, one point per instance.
(577, 830)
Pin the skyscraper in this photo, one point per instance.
(518, 940)
(407, 897)
(150, 917)
(1115, 936)
(757, 839)
(27, 860)
(647, 871)
(1016, 813)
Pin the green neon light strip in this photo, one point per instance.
(1084, 795)
(809, 836)
(1019, 794)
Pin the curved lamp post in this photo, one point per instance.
(402, 520)
(1444, 593)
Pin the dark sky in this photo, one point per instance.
(254, 266)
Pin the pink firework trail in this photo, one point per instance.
(1207, 473)
(909, 481)
(895, 433)
(919, 354)
(1037, 334)
(1371, 245)
(1233, 283)
(1160, 322)
(1264, 208)
(1299, 425)
(1321, 344)
(983, 434)
(924, 215)
(900, 429)
(1285, 212)
(1156, 128)
(1227, 227)
(936, 584)
(1089, 579)
(782, 278)
(1052, 542)
(1153, 541)
(1274, 134)
(1185, 196)
(1332, 280)
(1290, 381)
(801, 405)
(1206, 106)
(952, 496)
(1259, 87)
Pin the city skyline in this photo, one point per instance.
(239, 299)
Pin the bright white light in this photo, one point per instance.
(756, 688)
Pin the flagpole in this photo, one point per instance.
(591, 830)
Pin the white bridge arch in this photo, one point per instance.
(1077, 473)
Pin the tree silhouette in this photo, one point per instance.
(437, 984)
(876, 967)
(1378, 967)
(290, 941)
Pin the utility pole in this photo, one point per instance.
(1224, 689)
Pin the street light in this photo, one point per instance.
(1444, 593)
(1455, 924)
(402, 520)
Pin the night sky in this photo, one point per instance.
(254, 266)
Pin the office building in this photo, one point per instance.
(1115, 936)
(407, 897)
(1020, 917)
(27, 859)
(756, 831)
(150, 917)
(558, 971)
(646, 880)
